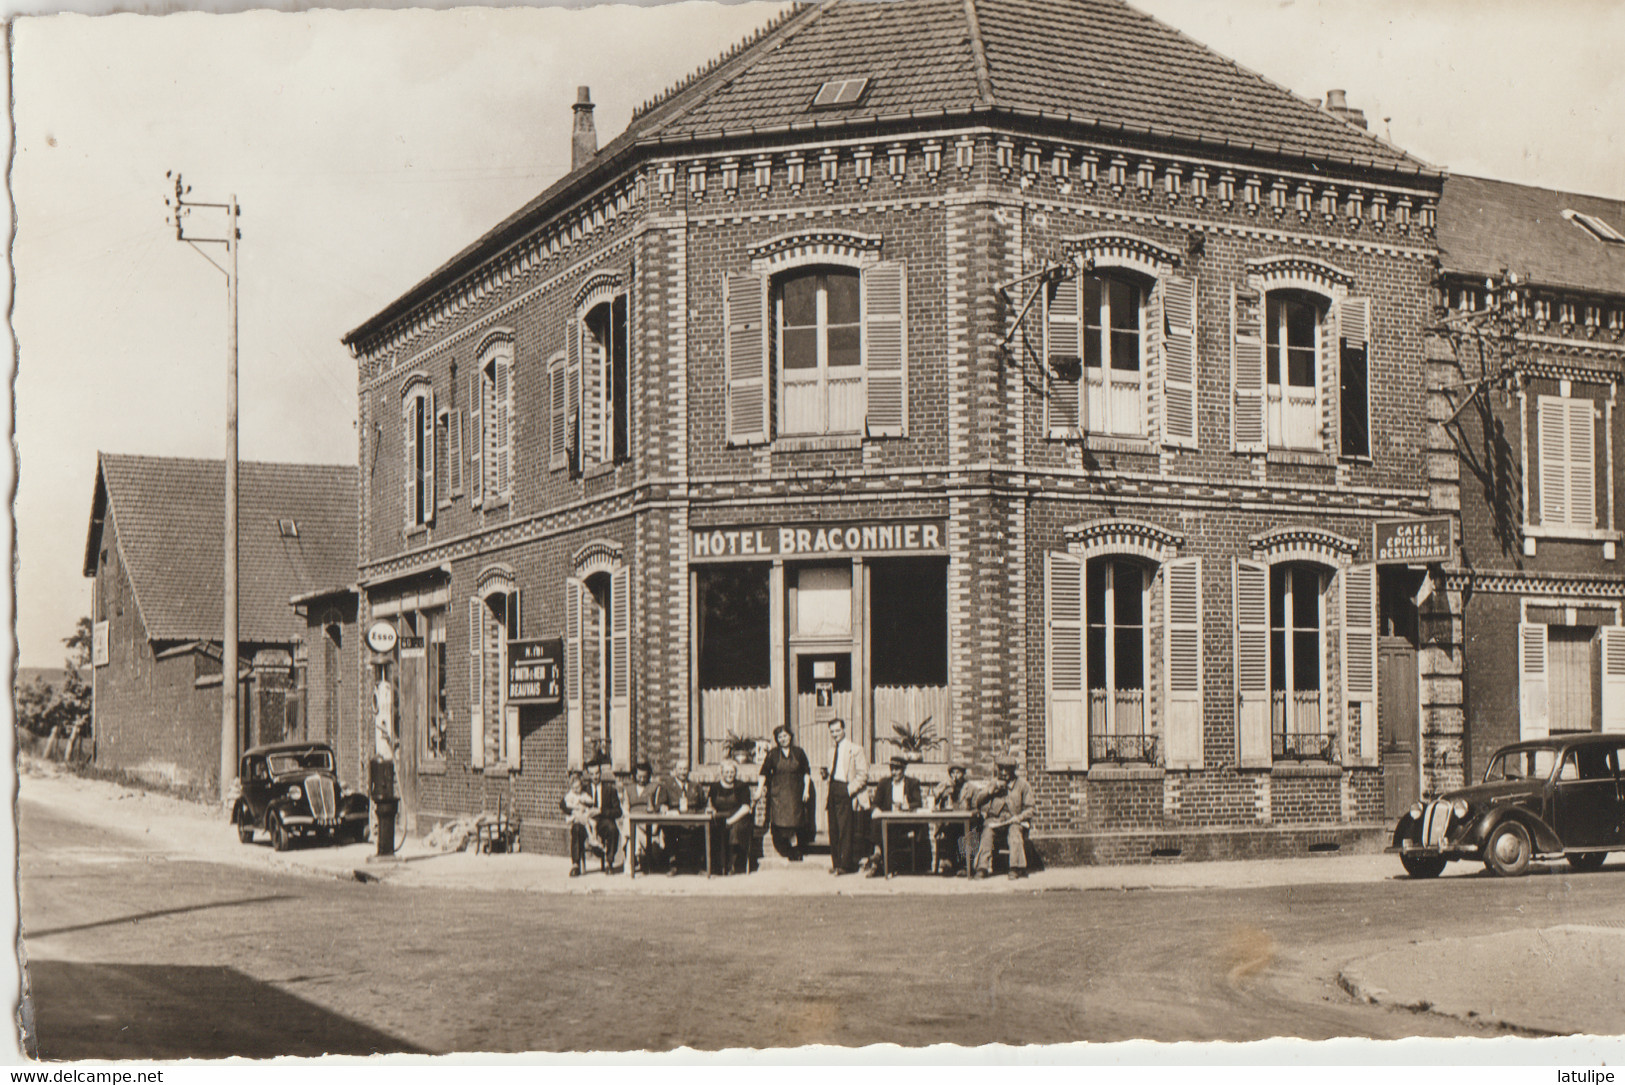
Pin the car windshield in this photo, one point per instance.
(1521, 765)
(294, 760)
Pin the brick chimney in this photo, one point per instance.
(1337, 102)
(583, 136)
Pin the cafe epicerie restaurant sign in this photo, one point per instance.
(1413, 542)
(773, 540)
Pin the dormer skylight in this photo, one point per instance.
(840, 92)
(1595, 226)
(288, 529)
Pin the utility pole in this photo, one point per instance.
(180, 210)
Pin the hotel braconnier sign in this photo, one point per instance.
(806, 540)
(1413, 542)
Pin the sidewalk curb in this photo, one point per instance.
(1360, 989)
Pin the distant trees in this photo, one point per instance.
(43, 706)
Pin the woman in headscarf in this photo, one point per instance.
(787, 784)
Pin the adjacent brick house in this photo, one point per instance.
(1525, 369)
(155, 552)
(1024, 369)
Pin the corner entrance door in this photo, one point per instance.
(1397, 709)
(820, 691)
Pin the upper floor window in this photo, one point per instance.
(827, 343)
(1567, 471)
(420, 444)
(818, 342)
(1109, 331)
(589, 392)
(1301, 372)
(491, 422)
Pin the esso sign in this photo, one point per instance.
(381, 637)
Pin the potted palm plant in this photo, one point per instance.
(915, 741)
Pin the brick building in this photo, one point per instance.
(155, 552)
(1024, 369)
(1525, 369)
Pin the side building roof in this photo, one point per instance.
(169, 515)
(1486, 226)
(1089, 66)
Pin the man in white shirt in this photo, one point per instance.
(848, 775)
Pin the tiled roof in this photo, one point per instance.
(169, 515)
(1486, 225)
(1097, 64)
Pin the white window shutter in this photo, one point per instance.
(1182, 670)
(476, 436)
(1552, 425)
(1613, 678)
(555, 434)
(1533, 717)
(511, 712)
(1247, 370)
(454, 448)
(746, 358)
(1063, 355)
(1252, 618)
(1067, 729)
(502, 426)
(1582, 465)
(885, 348)
(1178, 323)
(431, 456)
(1360, 664)
(594, 358)
(620, 664)
(572, 401)
(573, 738)
(1326, 370)
(476, 683)
(409, 445)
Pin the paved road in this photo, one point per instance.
(137, 955)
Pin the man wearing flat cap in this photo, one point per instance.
(952, 794)
(1007, 809)
(900, 791)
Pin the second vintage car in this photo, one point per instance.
(1562, 796)
(290, 790)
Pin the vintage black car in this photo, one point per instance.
(290, 791)
(1559, 796)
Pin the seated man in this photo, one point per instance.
(638, 796)
(898, 792)
(952, 794)
(604, 809)
(678, 792)
(1007, 807)
(732, 799)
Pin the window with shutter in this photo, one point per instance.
(1114, 314)
(1297, 655)
(501, 442)
(1613, 677)
(1182, 648)
(1360, 664)
(1252, 664)
(1178, 322)
(620, 667)
(556, 460)
(746, 359)
(420, 429)
(1293, 344)
(819, 346)
(1354, 377)
(442, 459)
(476, 437)
(885, 349)
(1247, 370)
(1066, 745)
(1532, 681)
(1567, 470)
(510, 738)
(454, 446)
(1115, 664)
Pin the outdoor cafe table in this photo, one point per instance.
(886, 819)
(651, 820)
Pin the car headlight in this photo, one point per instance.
(1459, 808)
(295, 793)
(1416, 810)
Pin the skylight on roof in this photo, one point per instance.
(840, 92)
(288, 529)
(1595, 226)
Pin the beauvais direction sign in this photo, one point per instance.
(1414, 542)
(882, 537)
(535, 671)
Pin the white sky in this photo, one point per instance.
(367, 146)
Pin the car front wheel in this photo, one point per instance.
(1509, 851)
(1587, 861)
(1423, 866)
(281, 840)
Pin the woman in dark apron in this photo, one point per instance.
(787, 783)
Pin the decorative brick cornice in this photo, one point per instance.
(1581, 587)
(1302, 544)
(1133, 537)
